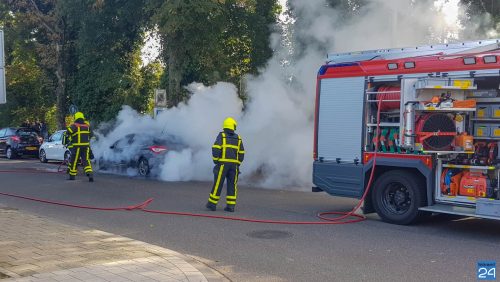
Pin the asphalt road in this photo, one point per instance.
(444, 248)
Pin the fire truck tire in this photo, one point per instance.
(397, 195)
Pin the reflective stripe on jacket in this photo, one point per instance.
(228, 148)
(78, 134)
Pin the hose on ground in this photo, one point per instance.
(342, 217)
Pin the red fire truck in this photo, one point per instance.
(427, 117)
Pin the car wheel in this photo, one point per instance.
(10, 153)
(42, 156)
(397, 195)
(143, 167)
(66, 157)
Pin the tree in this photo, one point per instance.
(190, 31)
(478, 10)
(209, 41)
(107, 51)
(48, 32)
(246, 39)
(151, 78)
(30, 87)
(87, 52)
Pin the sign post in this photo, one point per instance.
(3, 92)
(161, 102)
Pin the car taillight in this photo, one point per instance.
(158, 149)
(15, 139)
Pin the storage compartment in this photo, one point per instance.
(482, 130)
(495, 130)
(466, 182)
(488, 207)
(495, 111)
(445, 83)
(483, 111)
(483, 93)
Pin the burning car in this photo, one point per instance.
(140, 152)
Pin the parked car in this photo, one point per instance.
(141, 152)
(19, 141)
(53, 148)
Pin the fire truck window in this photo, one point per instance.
(409, 65)
(469, 61)
(490, 59)
(392, 66)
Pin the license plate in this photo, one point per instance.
(31, 148)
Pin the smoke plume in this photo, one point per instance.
(277, 121)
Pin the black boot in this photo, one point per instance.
(229, 209)
(71, 177)
(91, 177)
(211, 206)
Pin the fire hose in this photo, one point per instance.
(342, 218)
(128, 208)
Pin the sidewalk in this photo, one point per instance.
(34, 248)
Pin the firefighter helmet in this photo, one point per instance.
(79, 115)
(229, 123)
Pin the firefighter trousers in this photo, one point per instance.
(229, 172)
(77, 153)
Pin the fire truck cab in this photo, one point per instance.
(428, 117)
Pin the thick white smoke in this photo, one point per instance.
(277, 123)
(194, 124)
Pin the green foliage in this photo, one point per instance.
(87, 52)
(190, 31)
(51, 119)
(477, 9)
(40, 26)
(208, 41)
(107, 74)
(29, 91)
(151, 79)
(29, 86)
(246, 38)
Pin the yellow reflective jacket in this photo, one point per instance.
(228, 148)
(78, 134)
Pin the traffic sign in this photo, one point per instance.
(161, 98)
(73, 109)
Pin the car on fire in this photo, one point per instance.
(19, 141)
(140, 152)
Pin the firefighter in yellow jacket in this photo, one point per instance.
(228, 154)
(78, 142)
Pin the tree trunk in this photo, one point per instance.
(174, 81)
(60, 88)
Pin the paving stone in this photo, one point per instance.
(39, 249)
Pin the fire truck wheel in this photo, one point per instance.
(397, 195)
